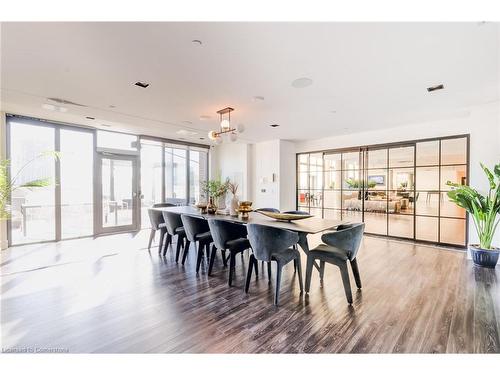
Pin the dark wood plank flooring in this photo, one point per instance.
(111, 295)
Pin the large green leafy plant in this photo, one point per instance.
(8, 185)
(484, 209)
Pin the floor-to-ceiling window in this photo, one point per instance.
(33, 213)
(398, 190)
(170, 173)
(76, 182)
(85, 181)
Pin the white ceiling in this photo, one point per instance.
(373, 75)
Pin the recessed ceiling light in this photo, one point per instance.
(90, 118)
(300, 83)
(112, 106)
(274, 125)
(141, 84)
(258, 98)
(205, 117)
(197, 42)
(435, 88)
(201, 138)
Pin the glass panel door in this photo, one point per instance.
(118, 198)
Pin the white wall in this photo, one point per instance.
(481, 122)
(3, 153)
(287, 175)
(232, 160)
(256, 166)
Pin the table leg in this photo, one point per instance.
(305, 246)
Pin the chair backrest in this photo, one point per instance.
(347, 237)
(194, 225)
(297, 212)
(157, 205)
(223, 231)
(156, 218)
(268, 240)
(172, 221)
(268, 209)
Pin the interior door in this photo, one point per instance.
(117, 193)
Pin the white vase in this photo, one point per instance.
(233, 207)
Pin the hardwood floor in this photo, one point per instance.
(111, 295)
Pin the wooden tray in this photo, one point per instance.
(284, 217)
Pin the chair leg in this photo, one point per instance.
(355, 271)
(212, 259)
(168, 241)
(321, 270)
(207, 252)
(299, 271)
(345, 280)
(278, 283)
(180, 241)
(309, 268)
(185, 253)
(162, 236)
(268, 272)
(232, 264)
(256, 264)
(151, 238)
(249, 272)
(200, 256)
(224, 259)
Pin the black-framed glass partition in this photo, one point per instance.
(102, 181)
(398, 190)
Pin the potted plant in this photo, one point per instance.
(214, 190)
(484, 211)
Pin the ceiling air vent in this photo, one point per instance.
(64, 101)
(142, 84)
(435, 88)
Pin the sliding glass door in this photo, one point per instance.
(398, 190)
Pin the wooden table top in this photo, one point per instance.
(310, 225)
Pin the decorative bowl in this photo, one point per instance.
(284, 217)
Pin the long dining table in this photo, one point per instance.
(304, 227)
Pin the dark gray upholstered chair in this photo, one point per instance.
(227, 236)
(157, 223)
(338, 248)
(272, 244)
(268, 209)
(174, 226)
(197, 230)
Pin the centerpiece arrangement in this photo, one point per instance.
(484, 211)
(214, 189)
